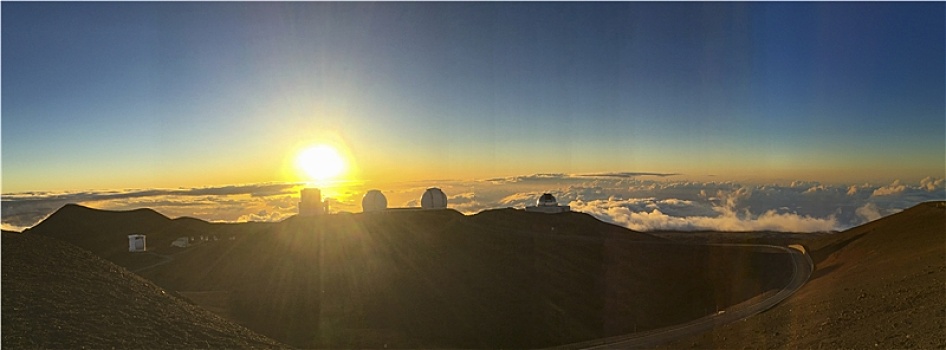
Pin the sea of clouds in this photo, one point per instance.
(639, 201)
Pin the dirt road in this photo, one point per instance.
(803, 266)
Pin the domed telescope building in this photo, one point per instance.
(433, 198)
(547, 204)
(374, 201)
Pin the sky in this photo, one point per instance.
(112, 97)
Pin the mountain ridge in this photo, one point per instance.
(438, 278)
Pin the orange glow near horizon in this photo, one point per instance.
(329, 165)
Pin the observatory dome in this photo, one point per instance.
(546, 200)
(433, 198)
(374, 201)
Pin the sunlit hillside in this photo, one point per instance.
(877, 285)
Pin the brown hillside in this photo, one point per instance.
(878, 285)
(440, 279)
(105, 232)
(56, 295)
(414, 278)
(102, 231)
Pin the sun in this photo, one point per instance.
(321, 162)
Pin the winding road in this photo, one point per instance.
(803, 267)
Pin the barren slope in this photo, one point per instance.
(413, 278)
(105, 232)
(879, 285)
(56, 295)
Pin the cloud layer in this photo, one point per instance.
(229, 203)
(639, 201)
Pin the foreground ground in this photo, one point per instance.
(58, 296)
(413, 278)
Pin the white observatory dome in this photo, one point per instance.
(546, 200)
(374, 201)
(433, 198)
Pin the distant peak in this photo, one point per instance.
(73, 210)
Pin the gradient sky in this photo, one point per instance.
(138, 95)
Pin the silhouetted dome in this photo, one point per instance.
(373, 201)
(546, 200)
(433, 198)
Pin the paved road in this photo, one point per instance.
(803, 267)
(164, 260)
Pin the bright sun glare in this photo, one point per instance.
(321, 162)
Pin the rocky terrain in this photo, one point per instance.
(880, 285)
(418, 279)
(58, 296)
(415, 278)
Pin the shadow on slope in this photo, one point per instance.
(105, 232)
(502, 278)
(56, 295)
(417, 278)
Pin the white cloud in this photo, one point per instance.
(852, 191)
(518, 200)
(466, 203)
(816, 189)
(869, 212)
(931, 184)
(10, 227)
(264, 216)
(651, 218)
(222, 203)
(634, 202)
(892, 189)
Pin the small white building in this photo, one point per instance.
(547, 204)
(182, 242)
(136, 243)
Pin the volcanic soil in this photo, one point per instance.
(58, 296)
(501, 278)
(417, 279)
(880, 285)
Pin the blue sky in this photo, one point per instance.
(137, 95)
